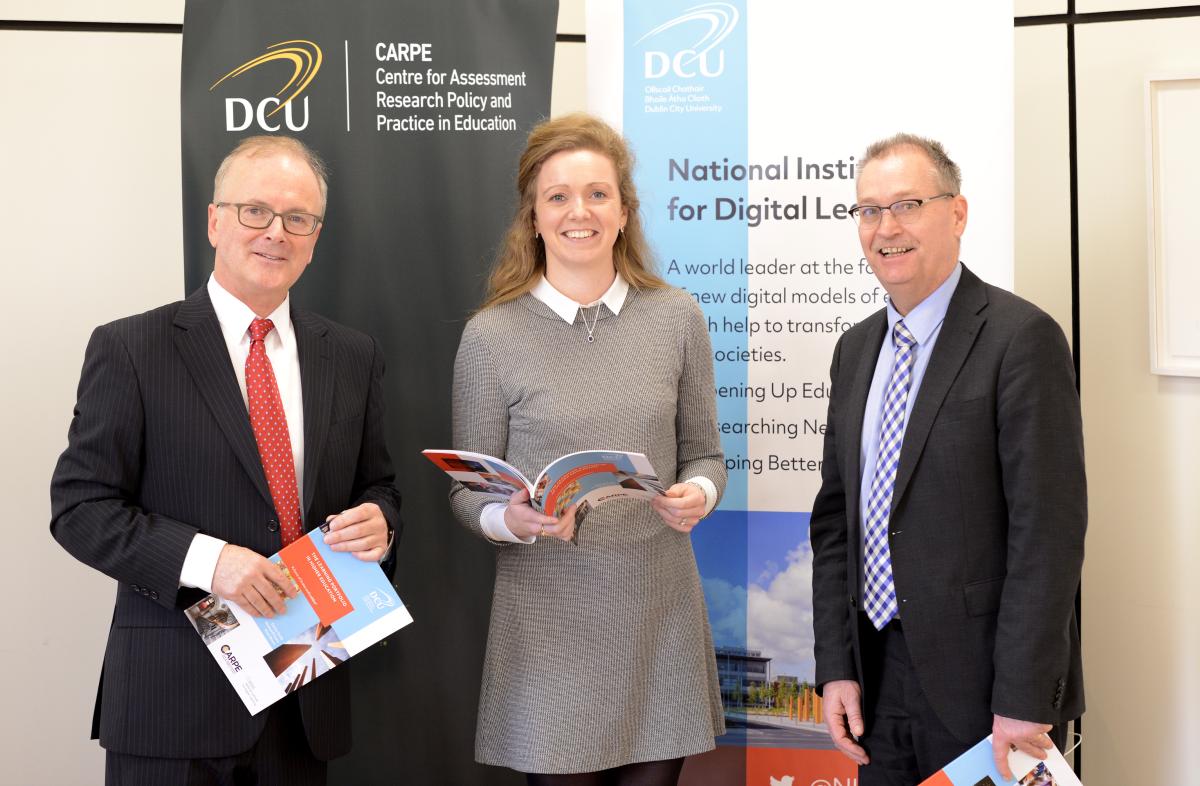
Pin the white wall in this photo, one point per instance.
(137, 11)
(1141, 640)
(91, 232)
(1042, 179)
(1141, 646)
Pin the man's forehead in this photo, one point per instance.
(267, 177)
(903, 172)
(270, 162)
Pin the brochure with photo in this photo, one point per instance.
(344, 605)
(589, 478)
(976, 767)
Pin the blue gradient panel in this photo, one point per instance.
(685, 102)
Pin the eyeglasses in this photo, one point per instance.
(259, 217)
(905, 211)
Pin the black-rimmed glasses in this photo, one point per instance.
(259, 217)
(905, 211)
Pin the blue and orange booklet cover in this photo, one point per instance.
(344, 605)
(586, 479)
(976, 767)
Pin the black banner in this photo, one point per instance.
(421, 109)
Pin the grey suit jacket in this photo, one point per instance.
(161, 448)
(988, 515)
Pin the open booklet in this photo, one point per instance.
(344, 605)
(589, 478)
(976, 767)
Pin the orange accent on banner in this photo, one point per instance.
(570, 477)
(316, 580)
(805, 766)
(730, 765)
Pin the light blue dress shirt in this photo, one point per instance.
(925, 323)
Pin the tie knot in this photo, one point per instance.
(259, 329)
(901, 337)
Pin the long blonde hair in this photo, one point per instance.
(522, 257)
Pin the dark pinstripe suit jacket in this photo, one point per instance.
(160, 448)
(988, 515)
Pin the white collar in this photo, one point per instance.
(567, 308)
(235, 316)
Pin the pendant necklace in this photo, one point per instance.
(595, 322)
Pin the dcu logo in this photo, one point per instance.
(702, 58)
(379, 599)
(305, 59)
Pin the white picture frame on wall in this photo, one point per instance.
(1173, 207)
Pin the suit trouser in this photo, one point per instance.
(904, 738)
(280, 757)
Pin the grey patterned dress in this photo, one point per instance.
(599, 654)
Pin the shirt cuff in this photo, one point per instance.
(710, 491)
(391, 541)
(492, 522)
(201, 562)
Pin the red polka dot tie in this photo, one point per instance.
(271, 432)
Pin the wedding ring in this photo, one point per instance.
(542, 533)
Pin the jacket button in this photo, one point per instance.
(272, 525)
(852, 604)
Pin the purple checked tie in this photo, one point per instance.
(879, 594)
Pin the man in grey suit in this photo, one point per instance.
(948, 533)
(208, 433)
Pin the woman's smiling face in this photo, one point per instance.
(578, 210)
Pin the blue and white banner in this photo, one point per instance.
(747, 118)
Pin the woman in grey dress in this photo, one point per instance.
(600, 666)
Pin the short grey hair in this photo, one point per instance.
(265, 144)
(947, 172)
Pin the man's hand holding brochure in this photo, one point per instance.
(977, 767)
(342, 606)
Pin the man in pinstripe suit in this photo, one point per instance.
(162, 486)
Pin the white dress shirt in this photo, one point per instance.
(235, 317)
(491, 519)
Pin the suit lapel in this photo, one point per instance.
(959, 332)
(200, 344)
(316, 382)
